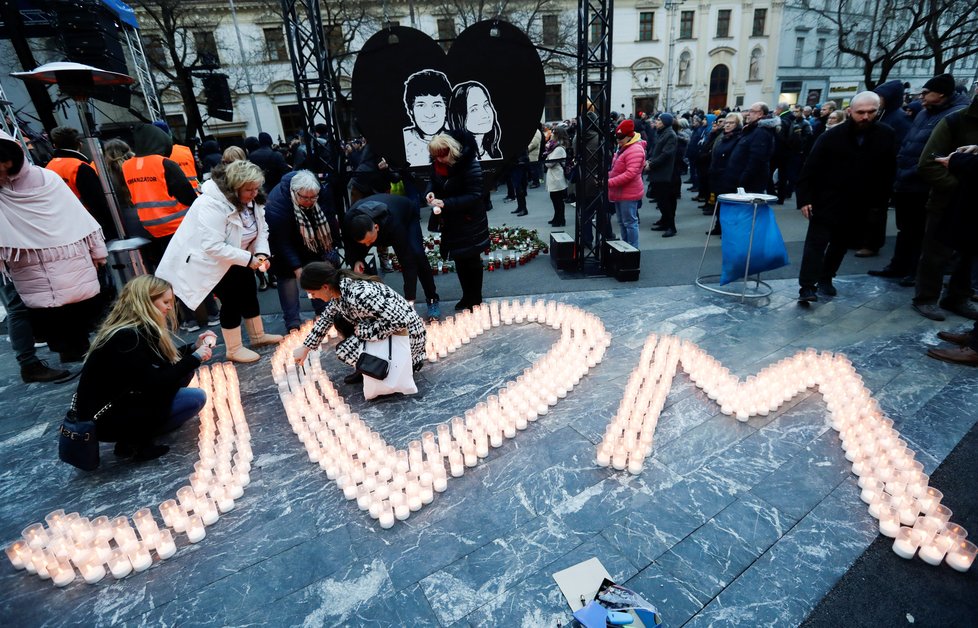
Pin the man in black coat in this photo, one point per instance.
(271, 162)
(749, 166)
(389, 220)
(849, 172)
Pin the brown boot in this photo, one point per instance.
(957, 355)
(234, 350)
(256, 333)
(962, 340)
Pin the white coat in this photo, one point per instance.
(207, 244)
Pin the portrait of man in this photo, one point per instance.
(426, 97)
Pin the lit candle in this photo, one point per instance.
(93, 572)
(36, 536)
(961, 556)
(386, 518)
(930, 499)
(119, 564)
(889, 522)
(18, 552)
(933, 552)
(140, 558)
(906, 542)
(62, 575)
(165, 547)
(195, 529)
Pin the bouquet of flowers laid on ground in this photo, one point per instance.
(509, 247)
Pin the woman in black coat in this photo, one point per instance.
(455, 196)
(134, 366)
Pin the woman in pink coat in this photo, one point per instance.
(49, 247)
(625, 187)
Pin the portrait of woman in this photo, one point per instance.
(471, 110)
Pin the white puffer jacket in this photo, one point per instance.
(207, 244)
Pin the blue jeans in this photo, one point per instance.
(288, 296)
(627, 212)
(185, 406)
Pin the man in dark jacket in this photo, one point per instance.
(301, 224)
(954, 131)
(873, 233)
(75, 168)
(849, 171)
(749, 166)
(938, 98)
(210, 156)
(388, 220)
(269, 160)
(662, 165)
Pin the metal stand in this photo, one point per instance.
(760, 289)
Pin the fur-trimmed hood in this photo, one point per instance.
(469, 148)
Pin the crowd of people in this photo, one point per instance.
(224, 224)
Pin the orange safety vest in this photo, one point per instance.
(159, 213)
(67, 169)
(185, 159)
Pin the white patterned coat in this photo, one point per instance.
(376, 312)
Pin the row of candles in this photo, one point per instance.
(68, 545)
(892, 482)
(390, 484)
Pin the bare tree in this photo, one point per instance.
(172, 53)
(952, 32)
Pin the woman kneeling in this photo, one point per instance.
(363, 309)
(134, 365)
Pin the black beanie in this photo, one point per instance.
(942, 84)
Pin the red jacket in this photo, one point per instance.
(625, 178)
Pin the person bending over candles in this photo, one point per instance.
(135, 365)
(362, 308)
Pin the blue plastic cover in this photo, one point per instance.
(123, 11)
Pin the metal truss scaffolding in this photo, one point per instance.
(316, 93)
(143, 74)
(593, 141)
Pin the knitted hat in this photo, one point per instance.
(942, 84)
(710, 119)
(666, 118)
(626, 128)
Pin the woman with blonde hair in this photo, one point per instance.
(135, 366)
(456, 196)
(221, 241)
(233, 153)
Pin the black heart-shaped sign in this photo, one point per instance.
(406, 90)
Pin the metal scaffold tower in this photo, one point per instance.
(316, 94)
(143, 75)
(8, 122)
(593, 141)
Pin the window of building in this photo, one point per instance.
(391, 24)
(553, 104)
(760, 19)
(446, 31)
(206, 47)
(275, 44)
(646, 26)
(550, 29)
(155, 51)
(819, 52)
(723, 23)
(799, 50)
(686, 24)
(333, 38)
(595, 35)
(292, 119)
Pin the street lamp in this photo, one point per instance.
(671, 6)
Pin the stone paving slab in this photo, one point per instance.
(730, 523)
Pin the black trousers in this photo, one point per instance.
(66, 328)
(911, 220)
(825, 247)
(557, 198)
(469, 271)
(418, 267)
(238, 293)
(934, 258)
(665, 197)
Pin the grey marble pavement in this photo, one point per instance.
(729, 524)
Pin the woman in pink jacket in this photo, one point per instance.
(625, 187)
(49, 247)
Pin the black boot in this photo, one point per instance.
(40, 372)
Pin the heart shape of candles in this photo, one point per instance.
(70, 542)
(390, 484)
(892, 482)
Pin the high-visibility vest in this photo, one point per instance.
(159, 213)
(185, 159)
(67, 169)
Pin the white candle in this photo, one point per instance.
(962, 555)
(889, 522)
(933, 552)
(140, 559)
(18, 552)
(386, 518)
(165, 547)
(930, 499)
(63, 574)
(195, 529)
(93, 572)
(119, 564)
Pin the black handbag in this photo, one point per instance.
(372, 366)
(78, 441)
